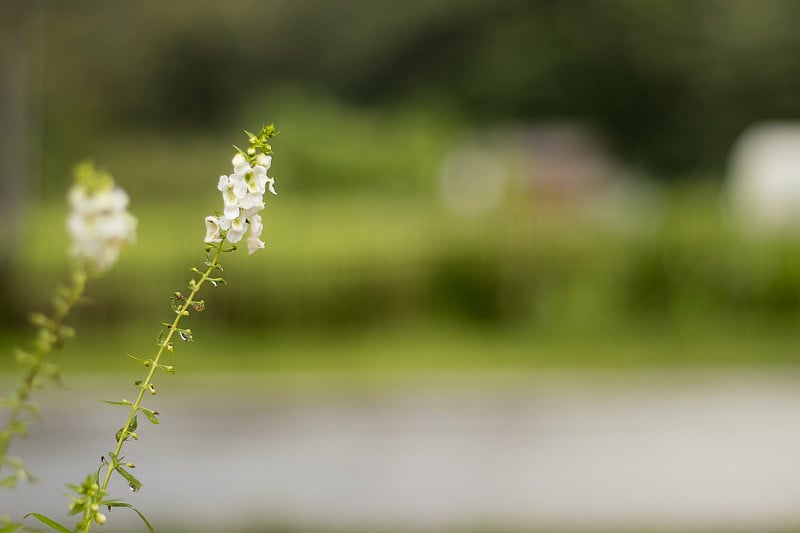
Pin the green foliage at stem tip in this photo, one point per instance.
(259, 142)
(93, 179)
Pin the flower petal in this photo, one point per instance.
(264, 160)
(212, 230)
(240, 165)
(231, 212)
(256, 226)
(253, 244)
(252, 200)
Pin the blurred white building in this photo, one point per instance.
(552, 166)
(764, 177)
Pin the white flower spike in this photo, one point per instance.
(99, 224)
(243, 195)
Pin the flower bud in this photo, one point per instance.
(100, 519)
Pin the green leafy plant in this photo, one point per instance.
(243, 198)
(100, 227)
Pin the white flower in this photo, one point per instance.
(212, 230)
(253, 241)
(242, 198)
(256, 225)
(253, 244)
(264, 160)
(240, 164)
(256, 179)
(99, 224)
(231, 212)
(252, 201)
(239, 185)
(237, 229)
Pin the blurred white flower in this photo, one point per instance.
(99, 223)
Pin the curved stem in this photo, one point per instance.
(53, 335)
(144, 385)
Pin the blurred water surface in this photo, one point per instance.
(703, 450)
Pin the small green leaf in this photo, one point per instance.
(133, 483)
(51, 371)
(145, 362)
(123, 402)
(38, 319)
(146, 386)
(32, 408)
(151, 415)
(216, 266)
(123, 435)
(169, 369)
(132, 508)
(22, 357)
(48, 522)
(20, 427)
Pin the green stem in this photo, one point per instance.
(144, 386)
(54, 336)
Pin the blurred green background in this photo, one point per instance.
(367, 263)
(380, 258)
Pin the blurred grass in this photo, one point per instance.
(369, 284)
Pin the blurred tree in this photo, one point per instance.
(673, 82)
(18, 20)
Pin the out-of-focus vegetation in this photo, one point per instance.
(671, 83)
(355, 282)
(362, 256)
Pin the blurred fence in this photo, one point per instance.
(333, 263)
